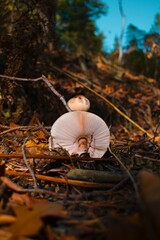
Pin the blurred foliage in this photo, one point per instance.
(28, 33)
(76, 26)
(135, 61)
(142, 50)
(136, 36)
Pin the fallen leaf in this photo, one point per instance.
(29, 220)
(20, 199)
(13, 125)
(35, 148)
(41, 135)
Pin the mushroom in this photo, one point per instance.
(79, 103)
(80, 132)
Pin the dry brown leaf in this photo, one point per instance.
(13, 125)
(20, 199)
(108, 89)
(41, 135)
(35, 148)
(29, 220)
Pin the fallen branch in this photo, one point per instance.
(59, 180)
(95, 175)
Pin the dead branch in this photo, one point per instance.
(45, 80)
(77, 183)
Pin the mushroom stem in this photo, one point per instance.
(83, 144)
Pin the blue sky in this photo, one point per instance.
(140, 13)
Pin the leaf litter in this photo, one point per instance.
(78, 197)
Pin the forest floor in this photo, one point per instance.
(40, 199)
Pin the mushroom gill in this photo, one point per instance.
(80, 132)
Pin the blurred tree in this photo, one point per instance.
(135, 61)
(27, 28)
(135, 37)
(152, 46)
(134, 58)
(116, 43)
(76, 26)
(113, 56)
(120, 56)
(156, 25)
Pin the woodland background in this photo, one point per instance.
(58, 41)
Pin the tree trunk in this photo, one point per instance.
(33, 31)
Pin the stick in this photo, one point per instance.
(45, 80)
(29, 168)
(62, 180)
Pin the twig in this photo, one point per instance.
(128, 173)
(46, 192)
(78, 183)
(118, 185)
(21, 128)
(26, 162)
(45, 80)
(76, 78)
(55, 92)
(21, 79)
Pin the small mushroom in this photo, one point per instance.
(79, 103)
(80, 132)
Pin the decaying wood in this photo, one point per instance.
(94, 175)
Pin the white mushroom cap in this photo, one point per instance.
(79, 103)
(79, 132)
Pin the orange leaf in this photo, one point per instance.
(13, 125)
(29, 220)
(41, 135)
